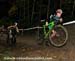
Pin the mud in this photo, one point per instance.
(27, 46)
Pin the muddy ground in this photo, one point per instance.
(27, 46)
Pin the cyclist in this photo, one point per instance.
(13, 24)
(56, 18)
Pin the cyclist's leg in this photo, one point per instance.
(14, 37)
(53, 33)
(53, 30)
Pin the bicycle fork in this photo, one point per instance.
(46, 33)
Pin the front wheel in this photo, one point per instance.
(61, 36)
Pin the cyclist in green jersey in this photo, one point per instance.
(56, 19)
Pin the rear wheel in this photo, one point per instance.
(61, 36)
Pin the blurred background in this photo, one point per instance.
(30, 12)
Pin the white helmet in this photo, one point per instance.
(59, 11)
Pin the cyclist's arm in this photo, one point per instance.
(16, 26)
(51, 16)
(11, 26)
(61, 20)
(46, 23)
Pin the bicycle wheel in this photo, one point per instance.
(40, 37)
(61, 36)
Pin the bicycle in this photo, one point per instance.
(59, 39)
(9, 35)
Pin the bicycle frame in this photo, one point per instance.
(46, 33)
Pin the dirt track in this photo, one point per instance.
(27, 47)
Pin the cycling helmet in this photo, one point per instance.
(59, 11)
